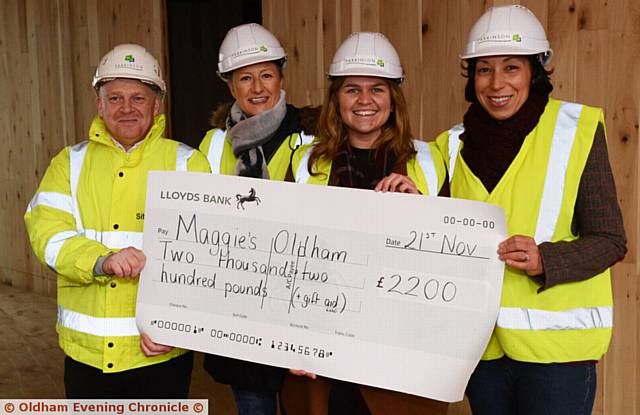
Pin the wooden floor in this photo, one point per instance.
(32, 363)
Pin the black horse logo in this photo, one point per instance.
(251, 197)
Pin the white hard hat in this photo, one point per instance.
(129, 61)
(366, 54)
(247, 44)
(507, 30)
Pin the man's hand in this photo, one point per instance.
(149, 348)
(126, 263)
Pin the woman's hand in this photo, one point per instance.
(299, 372)
(521, 252)
(149, 348)
(397, 183)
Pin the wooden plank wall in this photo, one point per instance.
(49, 50)
(596, 59)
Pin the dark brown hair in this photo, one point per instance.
(333, 132)
(540, 77)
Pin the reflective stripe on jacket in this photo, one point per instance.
(91, 203)
(426, 168)
(219, 152)
(568, 322)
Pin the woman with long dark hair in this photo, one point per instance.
(545, 162)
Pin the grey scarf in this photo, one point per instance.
(248, 134)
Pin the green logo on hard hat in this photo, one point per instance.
(380, 63)
(516, 38)
(129, 58)
(263, 49)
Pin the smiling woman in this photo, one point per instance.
(255, 136)
(545, 162)
(364, 138)
(365, 106)
(502, 84)
(256, 88)
(364, 141)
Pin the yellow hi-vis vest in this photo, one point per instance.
(568, 322)
(219, 152)
(426, 168)
(91, 203)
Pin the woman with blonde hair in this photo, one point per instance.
(255, 136)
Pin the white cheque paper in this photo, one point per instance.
(391, 290)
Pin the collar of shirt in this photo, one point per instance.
(121, 147)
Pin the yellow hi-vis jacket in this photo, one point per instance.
(219, 152)
(91, 203)
(568, 322)
(426, 168)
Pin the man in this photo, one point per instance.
(85, 222)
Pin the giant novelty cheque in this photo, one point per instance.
(390, 290)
